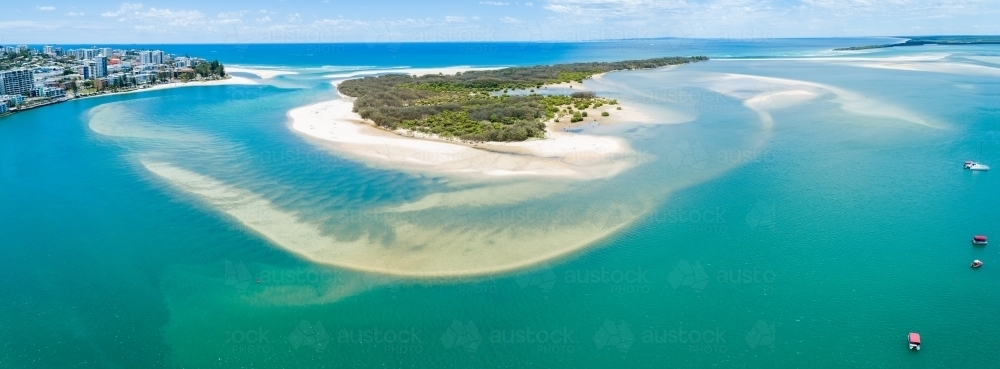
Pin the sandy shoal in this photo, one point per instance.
(496, 244)
(262, 73)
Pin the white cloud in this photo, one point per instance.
(265, 19)
(453, 19)
(124, 9)
(74, 14)
(233, 14)
(294, 17)
(45, 8)
(510, 20)
(494, 3)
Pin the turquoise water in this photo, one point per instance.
(818, 242)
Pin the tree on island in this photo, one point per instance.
(209, 69)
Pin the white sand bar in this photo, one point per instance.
(262, 73)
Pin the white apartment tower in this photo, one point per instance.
(16, 82)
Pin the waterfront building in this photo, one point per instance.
(44, 91)
(106, 51)
(16, 82)
(16, 99)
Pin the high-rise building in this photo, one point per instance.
(100, 66)
(106, 51)
(21, 48)
(16, 82)
(47, 49)
(9, 49)
(157, 57)
(145, 57)
(84, 71)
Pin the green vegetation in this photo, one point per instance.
(213, 68)
(470, 106)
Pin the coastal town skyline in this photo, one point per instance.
(334, 21)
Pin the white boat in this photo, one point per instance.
(977, 166)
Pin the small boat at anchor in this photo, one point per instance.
(976, 263)
(973, 165)
(978, 240)
(914, 339)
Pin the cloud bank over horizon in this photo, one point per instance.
(186, 21)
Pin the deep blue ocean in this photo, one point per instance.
(809, 210)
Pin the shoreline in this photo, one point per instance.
(165, 86)
(232, 80)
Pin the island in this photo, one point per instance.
(31, 78)
(932, 40)
(482, 106)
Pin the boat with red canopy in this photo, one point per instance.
(979, 240)
(914, 341)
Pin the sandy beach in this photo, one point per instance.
(232, 80)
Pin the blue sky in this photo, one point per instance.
(311, 21)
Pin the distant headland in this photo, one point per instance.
(932, 40)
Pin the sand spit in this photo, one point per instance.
(765, 94)
(424, 248)
(262, 73)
